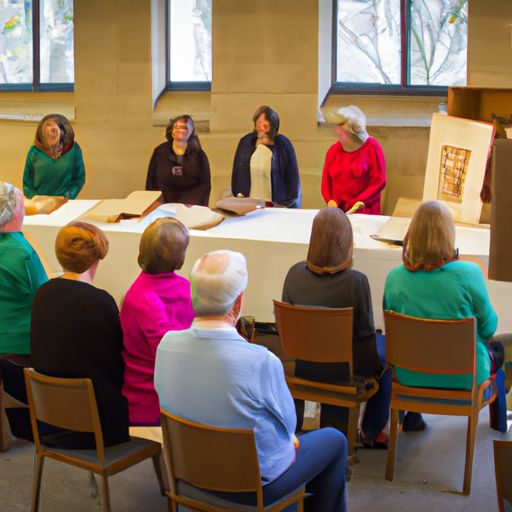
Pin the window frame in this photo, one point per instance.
(36, 85)
(402, 89)
(176, 85)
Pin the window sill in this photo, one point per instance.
(174, 103)
(388, 110)
(31, 107)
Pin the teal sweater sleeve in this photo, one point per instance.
(28, 175)
(78, 174)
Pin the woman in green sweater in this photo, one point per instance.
(54, 166)
(433, 283)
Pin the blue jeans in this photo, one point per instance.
(321, 464)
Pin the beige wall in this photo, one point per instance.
(263, 52)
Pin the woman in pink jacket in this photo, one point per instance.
(158, 301)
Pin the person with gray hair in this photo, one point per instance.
(354, 173)
(211, 375)
(21, 274)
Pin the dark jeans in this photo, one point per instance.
(377, 408)
(321, 464)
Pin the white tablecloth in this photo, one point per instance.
(272, 241)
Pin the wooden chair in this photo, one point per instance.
(443, 347)
(202, 458)
(71, 404)
(323, 335)
(503, 469)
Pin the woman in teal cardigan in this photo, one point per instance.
(54, 166)
(433, 283)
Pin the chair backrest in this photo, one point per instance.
(320, 335)
(212, 458)
(65, 403)
(503, 469)
(430, 345)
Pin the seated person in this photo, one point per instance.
(54, 166)
(265, 166)
(76, 332)
(354, 169)
(158, 301)
(210, 374)
(434, 283)
(21, 274)
(179, 168)
(326, 279)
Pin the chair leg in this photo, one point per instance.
(36, 486)
(470, 448)
(393, 435)
(94, 486)
(353, 417)
(5, 431)
(157, 464)
(105, 495)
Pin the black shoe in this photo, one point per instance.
(413, 422)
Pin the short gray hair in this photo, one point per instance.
(10, 197)
(217, 279)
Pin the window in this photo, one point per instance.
(36, 44)
(400, 45)
(189, 45)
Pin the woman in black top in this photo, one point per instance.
(326, 279)
(179, 168)
(76, 331)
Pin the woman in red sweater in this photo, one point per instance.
(354, 168)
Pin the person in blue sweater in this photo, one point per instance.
(265, 166)
(434, 283)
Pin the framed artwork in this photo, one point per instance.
(457, 156)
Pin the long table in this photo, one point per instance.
(272, 241)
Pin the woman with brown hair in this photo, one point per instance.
(265, 166)
(158, 301)
(76, 331)
(326, 279)
(434, 283)
(179, 168)
(54, 166)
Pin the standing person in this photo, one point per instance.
(265, 166)
(179, 168)
(76, 331)
(354, 168)
(327, 279)
(21, 274)
(54, 166)
(157, 302)
(434, 283)
(210, 374)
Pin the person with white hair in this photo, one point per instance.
(21, 274)
(210, 374)
(354, 172)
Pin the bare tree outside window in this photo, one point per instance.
(15, 42)
(57, 51)
(370, 46)
(19, 20)
(190, 41)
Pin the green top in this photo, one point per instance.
(44, 175)
(21, 274)
(454, 291)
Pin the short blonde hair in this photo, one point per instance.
(79, 245)
(162, 246)
(354, 120)
(430, 239)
